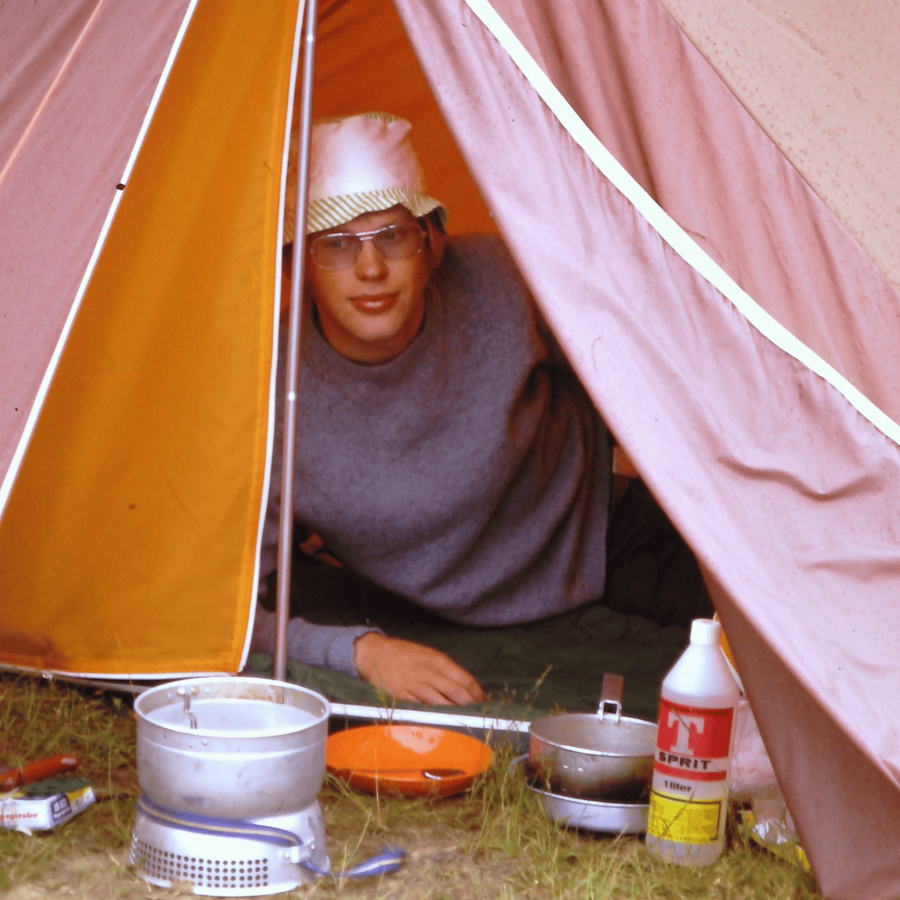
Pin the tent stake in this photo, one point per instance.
(286, 520)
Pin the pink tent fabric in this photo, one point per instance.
(60, 161)
(786, 492)
(819, 76)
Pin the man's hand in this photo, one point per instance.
(409, 671)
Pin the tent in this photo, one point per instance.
(702, 197)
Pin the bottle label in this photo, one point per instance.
(693, 743)
(685, 821)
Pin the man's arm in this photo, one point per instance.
(402, 669)
(325, 646)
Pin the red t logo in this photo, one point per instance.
(701, 733)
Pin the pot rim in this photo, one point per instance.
(166, 694)
(628, 723)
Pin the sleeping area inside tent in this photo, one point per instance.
(525, 669)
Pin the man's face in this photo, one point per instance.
(372, 310)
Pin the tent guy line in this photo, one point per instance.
(46, 381)
(668, 229)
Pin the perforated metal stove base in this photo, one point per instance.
(215, 865)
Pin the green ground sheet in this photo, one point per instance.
(526, 670)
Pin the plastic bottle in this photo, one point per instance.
(695, 741)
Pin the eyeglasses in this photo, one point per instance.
(339, 250)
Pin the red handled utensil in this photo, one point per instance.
(16, 776)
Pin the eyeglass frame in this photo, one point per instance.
(366, 236)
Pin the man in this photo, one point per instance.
(445, 449)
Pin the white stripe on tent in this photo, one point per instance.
(270, 437)
(37, 406)
(668, 229)
(111, 681)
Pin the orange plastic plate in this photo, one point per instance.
(396, 758)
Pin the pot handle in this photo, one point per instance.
(611, 691)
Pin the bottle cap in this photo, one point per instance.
(705, 631)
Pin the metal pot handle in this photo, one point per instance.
(611, 691)
(186, 694)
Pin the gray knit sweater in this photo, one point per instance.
(470, 474)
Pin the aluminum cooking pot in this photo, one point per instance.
(602, 755)
(234, 748)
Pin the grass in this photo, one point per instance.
(39, 719)
(492, 842)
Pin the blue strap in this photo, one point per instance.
(236, 828)
(389, 860)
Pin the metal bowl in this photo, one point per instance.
(590, 815)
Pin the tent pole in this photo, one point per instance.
(286, 520)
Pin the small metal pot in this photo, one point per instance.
(234, 748)
(605, 756)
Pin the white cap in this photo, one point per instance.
(358, 164)
(706, 631)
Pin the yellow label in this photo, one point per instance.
(686, 821)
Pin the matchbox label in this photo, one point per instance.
(693, 743)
